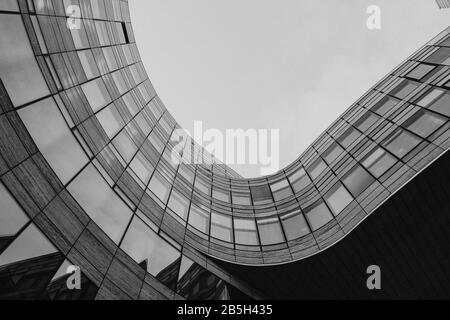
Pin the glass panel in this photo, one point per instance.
(357, 180)
(440, 56)
(442, 105)
(317, 168)
(110, 120)
(261, 194)
(88, 63)
(18, 68)
(221, 227)
(221, 194)
(420, 71)
(270, 231)
(179, 204)
(79, 35)
(318, 215)
(159, 186)
(404, 89)
(100, 202)
(424, 123)
(384, 105)
(338, 198)
(12, 218)
(142, 167)
(349, 137)
(152, 252)
(28, 245)
(56, 142)
(401, 142)
(199, 219)
(299, 180)
(241, 198)
(96, 94)
(281, 190)
(430, 96)
(332, 153)
(366, 121)
(294, 225)
(378, 162)
(245, 231)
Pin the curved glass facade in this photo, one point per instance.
(86, 147)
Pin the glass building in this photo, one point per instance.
(87, 177)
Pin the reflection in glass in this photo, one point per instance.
(100, 202)
(400, 142)
(378, 161)
(424, 123)
(270, 231)
(318, 215)
(245, 231)
(294, 225)
(357, 180)
(338, 198)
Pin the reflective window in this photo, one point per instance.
(245, 231)
(441, 104)
(270, 231)
(152, 252)
(401, 142)
(199, 219)
(125, 145)
(98, 9)
(29, 244)
(179, 204)
(159, 186)
(221, 194)
(338, 198)
(241, 198)
(221, 227)
(281, 190)
(348, 137)
(366, 121)
(332, 153)
(318, 215)
(430, 96)
(440, 56)
(378, 161)
(142, 167)
(357, 180)
(12, 218)
(110, 120)
(404, 89)
(317, 168)
(261, 194)
(79, 35)
(299, 180)
(88, 63)
(18, 68)
(96, 94)
(56, 142)
(420, 71)
(384, 105)
(294, 225)
(424, 123)
(100, 202)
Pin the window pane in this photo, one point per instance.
(159, 186)
(442, 105)
(88, 63)
(245, 231)
(318, 215)
(29, 244)
(281, 190)
(18, 67)
(261, 194)
(221, 194)
(378, 162)
(179, 204)
(299, 180)
(270, 231)
(348, 137)
(332, 152)
(430, 96)
(96, 94)
(338, 198)
(142, 167)
(424, 123)
(199, 219)
(317, 168)
(294, 225)
(110, 120)
(56, 142)
(221, 227)
(366, 121)
(420, 71)
(357, 180)
(241, 198)
(401, 142)
(384, 105)
(151, 251)
(100, 202)
(404, 89)
(440, 56)
(12, 218)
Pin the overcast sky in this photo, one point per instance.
(292, 65)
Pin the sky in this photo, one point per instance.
(292, 65)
